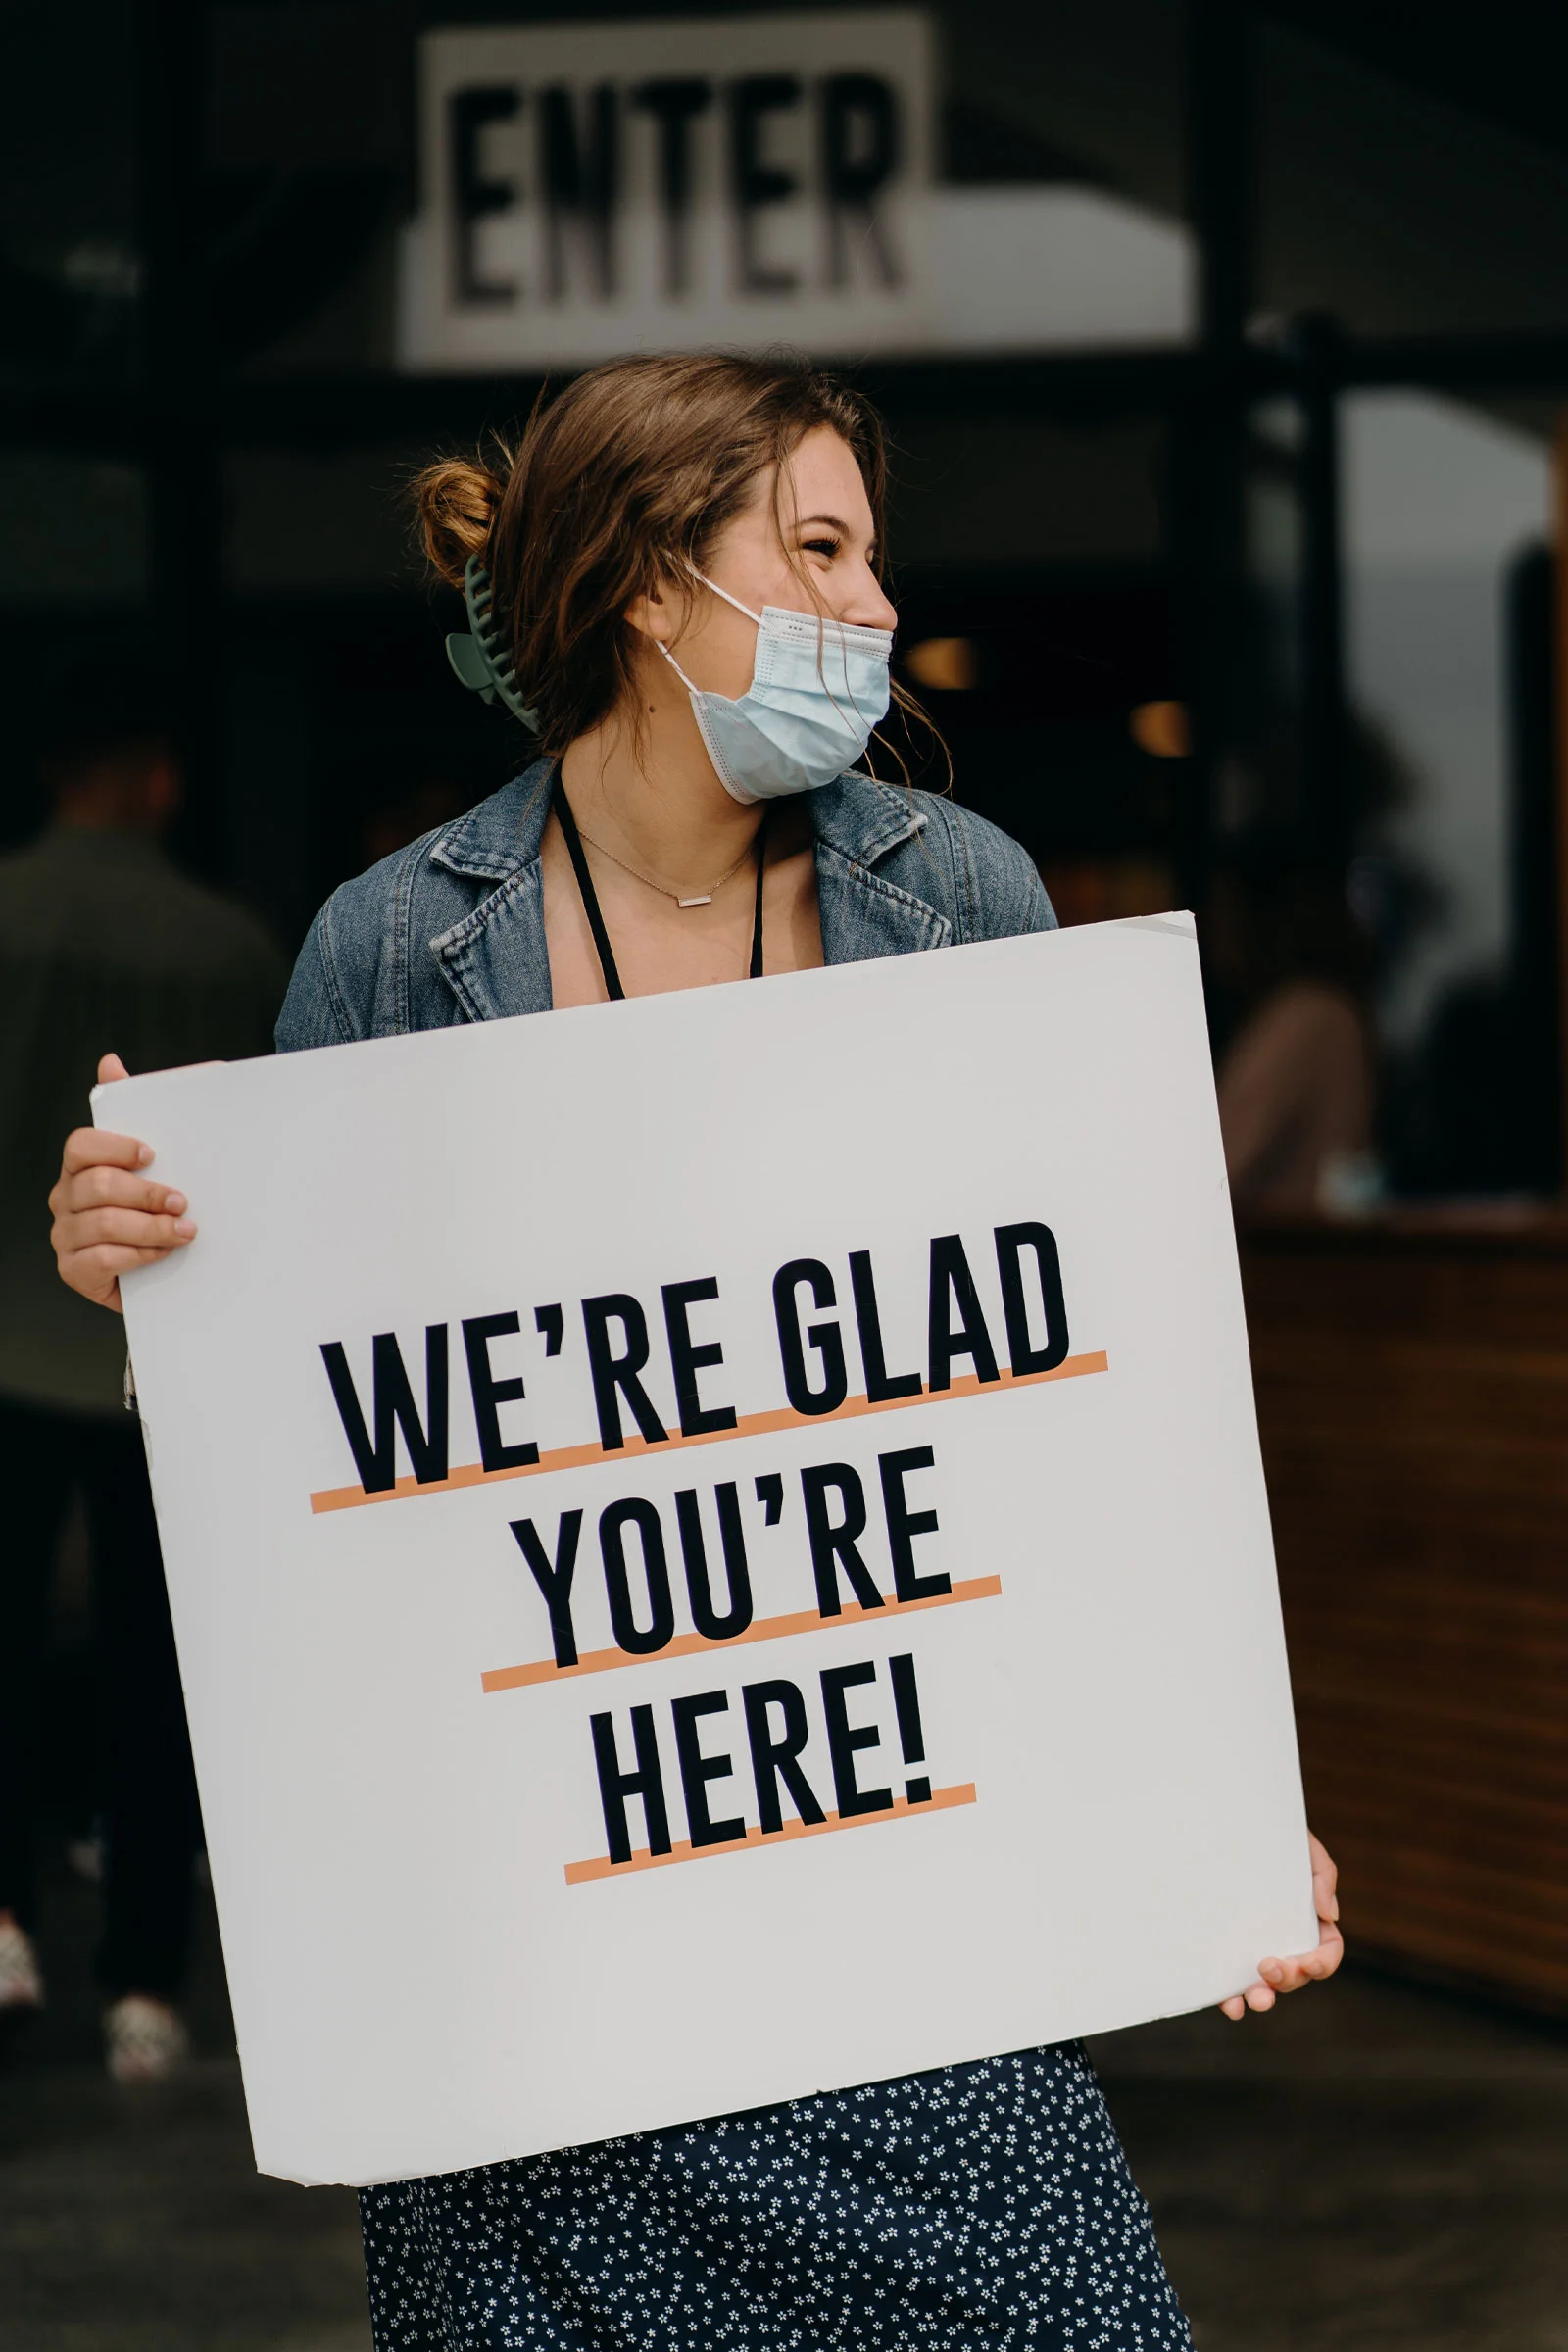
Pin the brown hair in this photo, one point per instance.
(628, 469)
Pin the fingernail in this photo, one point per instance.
(174, 1204)
(185, 1229)
(144, 1156)
(1271, 1972)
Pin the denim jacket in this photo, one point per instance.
(451, 928)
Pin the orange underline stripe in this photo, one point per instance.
(750, 1425)
(766, 1629)
(601, 1867)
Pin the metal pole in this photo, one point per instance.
(1561, 809)
(1328, 814)
(182, 461)
(1210, 424)
(1219, 167)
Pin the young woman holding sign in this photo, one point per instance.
(676, 582)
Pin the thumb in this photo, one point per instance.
(110, 1069)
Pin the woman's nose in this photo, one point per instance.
(865, 606)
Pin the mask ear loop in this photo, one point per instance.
(699, 697)
(725, 594)
(728, 599)
(677, 668)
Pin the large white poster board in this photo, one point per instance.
(862, 1650)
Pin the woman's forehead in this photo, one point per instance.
(819, 479)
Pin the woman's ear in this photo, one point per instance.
(651, 614)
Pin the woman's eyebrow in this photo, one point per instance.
(809, 523)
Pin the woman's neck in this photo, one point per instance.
(654, 798)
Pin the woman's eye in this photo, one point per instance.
(828, 548)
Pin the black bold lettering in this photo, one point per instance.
(774, 1760)
(903, 1525)
(694, 1551)
(844, 1742)
(833, 1544)
(612, 1526)
(393, 1408)
(554, 1577)
(613, 1373)
(687, 1359)
(754, 182)
(581, 174)
(1011, 1242)
(696, 1770)
(825, 1338)
(673, 102)
(911, 1737)
(861, 149)
(952, 1282)
(489, 1394)
(880, 1384)
(474, 197)
(615, 1786)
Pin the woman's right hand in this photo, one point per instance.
(110, 1218)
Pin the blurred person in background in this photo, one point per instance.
(100, 936)
(1297, 1077)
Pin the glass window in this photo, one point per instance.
(1447, 512)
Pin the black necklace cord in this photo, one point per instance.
(590, 896)
(756, 970)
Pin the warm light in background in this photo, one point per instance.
(951, 665)
(1163, 729)
(1107, 890)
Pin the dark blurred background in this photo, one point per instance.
(1224, 351)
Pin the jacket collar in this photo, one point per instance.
(499, 838)
(855, 817)
(496, 960)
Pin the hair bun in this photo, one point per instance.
(455, 500)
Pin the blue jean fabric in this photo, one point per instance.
(451, 928)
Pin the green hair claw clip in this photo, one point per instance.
(479, 658)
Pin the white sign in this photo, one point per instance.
(717, 1545)
(589, 189)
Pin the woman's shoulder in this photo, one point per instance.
(362, 971)
(367, 967)
(972, 872)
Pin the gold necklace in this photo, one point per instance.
(704, 898)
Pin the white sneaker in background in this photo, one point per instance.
(20, 1983)
(143, 2040)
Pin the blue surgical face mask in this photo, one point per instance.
(818, 688)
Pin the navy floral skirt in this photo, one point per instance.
(982, 2205)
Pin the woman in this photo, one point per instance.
(685, 564)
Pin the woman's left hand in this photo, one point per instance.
(1274, 1977)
